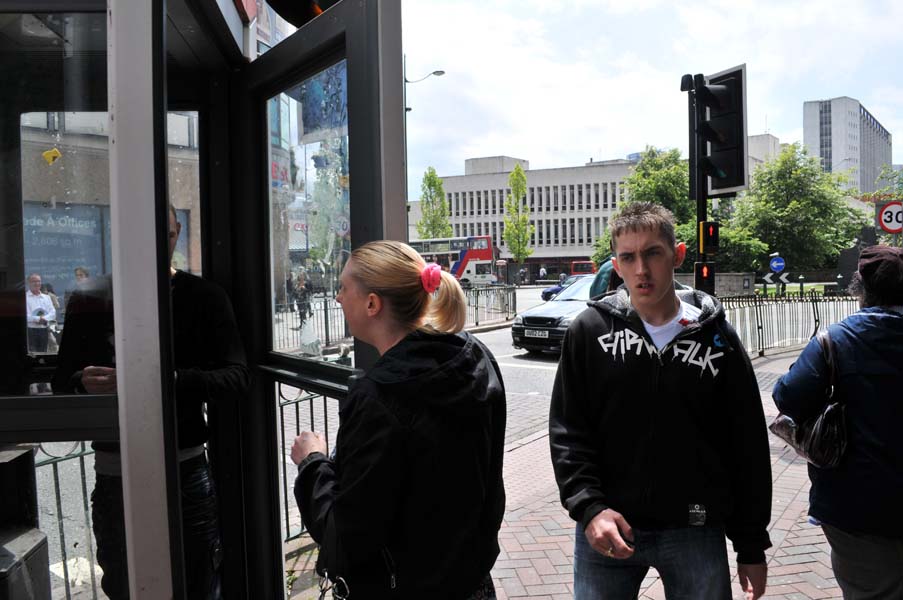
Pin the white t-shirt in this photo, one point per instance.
(662, 334)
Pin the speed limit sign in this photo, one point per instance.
(890, 217)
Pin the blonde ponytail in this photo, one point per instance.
(447, 311)
(393, 270)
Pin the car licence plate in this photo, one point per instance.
(536, 333)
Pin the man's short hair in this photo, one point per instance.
(643, 216)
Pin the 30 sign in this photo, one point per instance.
(890, 217)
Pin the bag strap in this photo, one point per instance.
(827, 348)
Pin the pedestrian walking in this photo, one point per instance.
(858, 502)
(412, 502)
(657, 433)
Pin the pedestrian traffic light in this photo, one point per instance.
(721, 131)
(708, 237)
(705, 277)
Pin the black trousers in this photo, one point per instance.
(200, 532)
(38, 337)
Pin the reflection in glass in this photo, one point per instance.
(66, 210)
(310, 215)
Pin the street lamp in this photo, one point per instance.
(407, 109)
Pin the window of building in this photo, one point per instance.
(555, 203)
(556, 239)
(579, 197)
(580, 231)
(479, 203)
(571, 197)
(470, 197)
(589, 233)
(571, 232)
(605, 195)
(596, 195)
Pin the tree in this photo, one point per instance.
(662, 176)
(518, 230)
(797, 209)
(434, 208)
(892, 190)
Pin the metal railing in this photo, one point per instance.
(309, 328)
(768, 323)
(490, 304)
(300, 410)
(64, 483)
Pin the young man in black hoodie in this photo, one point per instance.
(657, 432)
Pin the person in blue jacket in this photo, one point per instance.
(859, 504)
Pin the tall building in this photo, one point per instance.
(847, 137)
(569, 207)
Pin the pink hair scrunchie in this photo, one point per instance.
(431, 277)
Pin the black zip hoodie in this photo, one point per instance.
(412, 504)
(649, 433)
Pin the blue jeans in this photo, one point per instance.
(692, 562)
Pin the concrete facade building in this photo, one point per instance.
(761, 149)
(847, 137)
(569, 207)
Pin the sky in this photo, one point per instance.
(560, 83)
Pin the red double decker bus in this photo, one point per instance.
(467, 258)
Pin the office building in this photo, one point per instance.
(847, 138)
(569, 207)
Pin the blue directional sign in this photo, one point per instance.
(776, 264)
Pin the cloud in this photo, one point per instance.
(559, 83)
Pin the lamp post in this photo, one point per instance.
(801, 278)
(437, 73)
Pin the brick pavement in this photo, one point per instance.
(537, 536)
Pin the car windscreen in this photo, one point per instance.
(578, 291)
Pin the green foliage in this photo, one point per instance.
(434, 208)
(797, 209)
(892, 190)
(518, 230)
(662, 177)
(602, 247)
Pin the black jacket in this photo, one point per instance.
(208, 352)
(649, 433)
(864, 493)
(414, 498)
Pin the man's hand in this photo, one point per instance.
(307, 443)
(606, 534)
(99, 380)
(752, 579)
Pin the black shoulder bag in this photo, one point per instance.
(822, 439)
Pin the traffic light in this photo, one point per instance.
(708, 237)
(705, 277)
(721, 131)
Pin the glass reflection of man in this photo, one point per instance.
(210, 368)
(81, 276)
(40, 312)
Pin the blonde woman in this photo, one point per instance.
(411, 505)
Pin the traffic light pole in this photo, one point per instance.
(697, 177)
